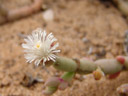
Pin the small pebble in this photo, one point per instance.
(85, 40)
(48, 15)
(90, 50)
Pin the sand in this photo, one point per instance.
(79, 26)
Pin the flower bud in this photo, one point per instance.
(98, 74)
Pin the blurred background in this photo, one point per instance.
(91, 28)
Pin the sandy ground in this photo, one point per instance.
(80, 26)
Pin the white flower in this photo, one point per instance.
(40, 47)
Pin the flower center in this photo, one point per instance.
(38, 46)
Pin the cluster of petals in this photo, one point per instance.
(40, 47)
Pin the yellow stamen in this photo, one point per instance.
(38, 46)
